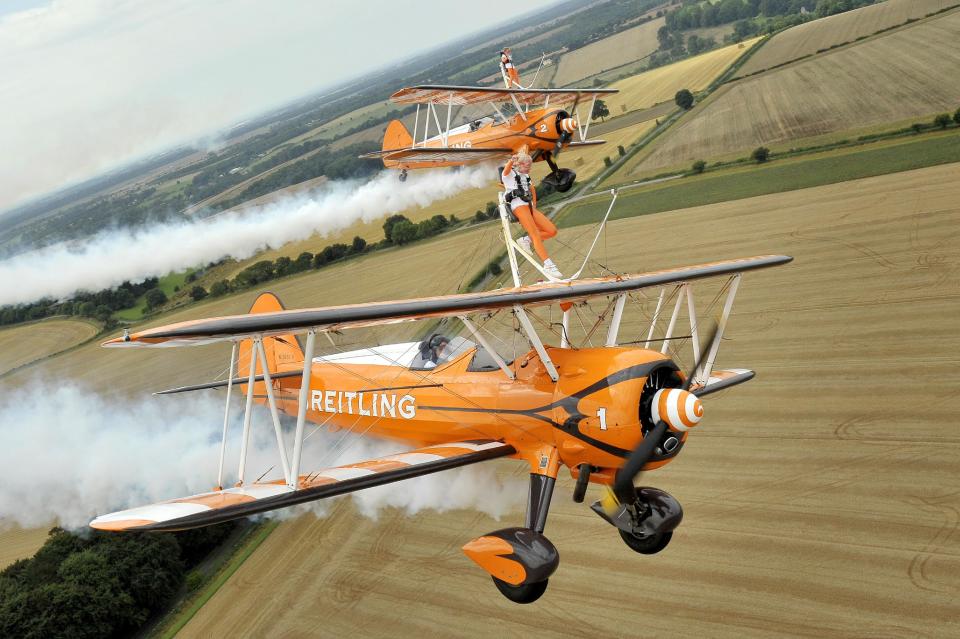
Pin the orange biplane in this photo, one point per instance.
(606, 412)
(543, 129)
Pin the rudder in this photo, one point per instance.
(282, 352)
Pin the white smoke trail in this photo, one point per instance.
(109, 258)
(68, 454)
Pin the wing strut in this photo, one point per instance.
(303, 401)
(537, 344)
(274, 413)
(483, 342)
(703, 375)
(226, 417)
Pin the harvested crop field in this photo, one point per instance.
(27, 343)
(660, 85)
(820, 35)
(820, 498)
(907, 73)
(617, 50)
(20, 543)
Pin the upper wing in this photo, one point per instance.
(441, 154)
(379, 313)
(459, 96)
(232, 503)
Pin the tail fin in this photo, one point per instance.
(396, 136)
(283, 352)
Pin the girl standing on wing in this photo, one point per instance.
(511, 75)
(522, 198)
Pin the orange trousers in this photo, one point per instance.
(538, 226)
(514, 76)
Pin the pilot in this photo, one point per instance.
(433, 350)
(522, 198)
(506, 63)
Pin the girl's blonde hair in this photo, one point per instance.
(524, 158)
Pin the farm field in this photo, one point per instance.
(661, 84)
(617, 50)
(19, 543)
(817, 35)
(818, 500)
(784, 174)
(27, 343)
(821, 95)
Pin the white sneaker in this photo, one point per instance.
(524, 243)
(551, 269)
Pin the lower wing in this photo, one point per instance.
(232, 503)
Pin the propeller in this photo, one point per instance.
(565, 136)
(623, 484)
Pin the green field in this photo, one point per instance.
(902, 154)
(170, 284)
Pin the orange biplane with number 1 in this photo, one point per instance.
(605, 412)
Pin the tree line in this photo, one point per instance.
(100, 305)
(397, 229)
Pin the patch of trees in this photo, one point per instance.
(684, 99)
(600, 110)
(776, 15)
(99, 584)
(750, 18)
(100, 305)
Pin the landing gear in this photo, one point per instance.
(520, 560)
(647, 521)
(559, 179)
(403, 175)
(650, 545)
(523, 594)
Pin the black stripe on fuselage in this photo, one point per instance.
(571, 425)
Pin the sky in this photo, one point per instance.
(89, 85)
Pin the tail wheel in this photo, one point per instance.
(649, 545)
(523, 594)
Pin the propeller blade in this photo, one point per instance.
(641, 454)
(714, 331)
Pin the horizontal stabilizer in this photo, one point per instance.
(574, 145)
(232, 503)
(224, 383)
(721, 380)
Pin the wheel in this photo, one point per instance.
(523, 594)
(647, 545)
(567, 178)
(403, 175)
